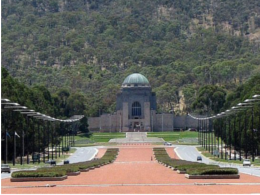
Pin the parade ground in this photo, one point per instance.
(135, 172)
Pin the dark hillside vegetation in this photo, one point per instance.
(88, 47)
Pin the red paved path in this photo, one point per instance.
(134, 172)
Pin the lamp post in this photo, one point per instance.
(247, 105)
(27, 112)
(24, 109)
(250, 102)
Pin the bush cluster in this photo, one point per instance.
(192, 168)
(61, 170)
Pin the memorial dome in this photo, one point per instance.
(135, 79)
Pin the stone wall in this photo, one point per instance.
(111, 123)
(163, 122)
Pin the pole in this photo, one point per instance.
(110, 123)
(44, 141)
(229, 131)
(6, 141)
(252, 137)
(198, 132)
(226, 139)
(27, 140)
(21, 145)
(51, 142)
(240, 137)
(39, 160)
(48, 140)
(235, 153)
(59, 139)
(246, 148)
(162, 121)
(206, 134)
(99, 121)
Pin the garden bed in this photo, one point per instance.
(212, 176)
(60, 172)
(73, 173)
(198, 170)
(25, 179)
(181, 172)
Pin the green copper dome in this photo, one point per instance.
(136, 78)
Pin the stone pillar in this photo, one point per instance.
(125, 126)
(147, 116)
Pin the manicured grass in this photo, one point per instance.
(105, 137)
(41, 164)
(174, 136)
(83, 140)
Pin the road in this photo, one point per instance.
(80, 155)
(190, 153)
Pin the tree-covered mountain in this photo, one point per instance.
(89, 47)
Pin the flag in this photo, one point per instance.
(17, 134)
(8, 134)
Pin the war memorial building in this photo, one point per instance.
(136, 111)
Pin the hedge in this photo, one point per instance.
(215, 171)
(38, 173)
(191, 168)
(62, 170)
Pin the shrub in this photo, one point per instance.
(195, 166)
(66, 168)
(213, 171)
(38, 173)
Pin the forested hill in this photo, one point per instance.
(90, 46)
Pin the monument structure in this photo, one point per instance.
(135, 110)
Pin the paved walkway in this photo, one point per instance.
(137, 137)
(135, 172)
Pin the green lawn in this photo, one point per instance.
(83, 140)
(105, 137)
(184, 137)
(41, 164)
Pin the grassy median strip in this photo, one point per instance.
(191, 168)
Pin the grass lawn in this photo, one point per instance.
(82, 139)
(185, 137)
(41, 164)
(175, 136)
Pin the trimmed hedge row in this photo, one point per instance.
(62, 170)
(191, 168)
(214, 171)
(37, 173)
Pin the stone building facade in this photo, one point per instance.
(135, 110)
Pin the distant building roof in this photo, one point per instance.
(136, 78)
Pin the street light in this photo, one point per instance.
(250, 105)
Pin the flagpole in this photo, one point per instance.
(6, 146)
(23, 146)
(14, 150)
